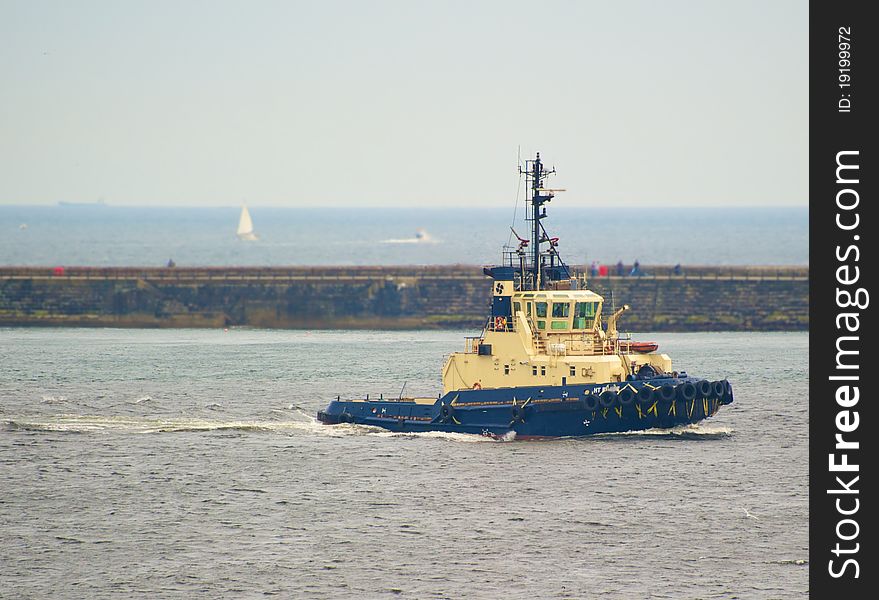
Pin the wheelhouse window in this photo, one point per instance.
(560, 310)
(584, 314)
(541, 309)
(585, 309)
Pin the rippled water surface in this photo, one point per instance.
(186, 462)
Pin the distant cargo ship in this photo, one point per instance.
(77, 204)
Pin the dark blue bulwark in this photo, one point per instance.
(557, 411)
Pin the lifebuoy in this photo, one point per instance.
(500, 323)
(686, 391)
(477, 386)
(607, 398)
(667, 392)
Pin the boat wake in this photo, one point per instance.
(421, 237)
(301, 423)
(690, 430)
(125, 424)
(349, 429)
(468, 438)
(304, 423)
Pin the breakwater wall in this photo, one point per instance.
(700, 299)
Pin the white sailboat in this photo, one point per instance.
(245, 226)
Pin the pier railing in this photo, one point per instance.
(372, 273)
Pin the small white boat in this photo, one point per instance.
(421, 237)
(245, 226)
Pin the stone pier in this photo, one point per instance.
(456, 296)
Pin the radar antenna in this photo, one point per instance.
(539, 195)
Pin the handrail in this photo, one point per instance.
(503, 324)
(340, 273)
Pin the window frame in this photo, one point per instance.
(537, 308)
(565, 309)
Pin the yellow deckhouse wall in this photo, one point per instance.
(550, 344)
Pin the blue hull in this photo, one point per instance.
(559, 411)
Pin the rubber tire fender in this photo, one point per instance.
(717, 389)
(727, 397)
(607, 398)
(704, 389)
(646, 395)
(626, 396)
(667, 391)
(686, 391)
(590, 402)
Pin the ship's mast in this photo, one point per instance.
(539, 196)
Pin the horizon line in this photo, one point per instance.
(391, 206)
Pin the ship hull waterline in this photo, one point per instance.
(544, 411)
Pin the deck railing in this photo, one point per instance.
(471, 344)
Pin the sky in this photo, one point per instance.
(403, 103)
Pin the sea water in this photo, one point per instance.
(179, 463)
(125, 236)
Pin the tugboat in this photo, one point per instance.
(545, 364)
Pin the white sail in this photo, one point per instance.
(245, 225)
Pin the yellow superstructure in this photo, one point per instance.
(553, 337)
